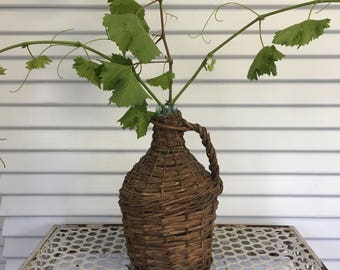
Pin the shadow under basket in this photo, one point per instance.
(169, 201)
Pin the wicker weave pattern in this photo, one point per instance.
(169, 200)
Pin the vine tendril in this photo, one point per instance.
(215, 13)
(22, 83)
(167, 16)
(71, 51)
(323, 8)
(3, 162)
(62, 60)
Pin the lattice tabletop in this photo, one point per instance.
(235, 247)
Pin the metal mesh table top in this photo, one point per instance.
(235, 247)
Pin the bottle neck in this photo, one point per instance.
(168, 131)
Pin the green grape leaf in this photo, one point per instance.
(129, 7)
(163, 80)
(137, 117)
(264, 62)
(39, 62)
(302, 33)
(129, 34)
(210, 65)
(87, 69)
(122, 79)
(2, 70)
(120, 59)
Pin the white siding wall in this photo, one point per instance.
(277, 139)
(2, 259)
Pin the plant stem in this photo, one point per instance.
(311, 10)
(221, 45)
(260, 33)
(76, 44)
(147, 89)
(167, 50)
(29, 51)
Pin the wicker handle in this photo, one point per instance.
(209, 148)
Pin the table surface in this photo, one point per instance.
(235, 247)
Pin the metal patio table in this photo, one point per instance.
(235, 247)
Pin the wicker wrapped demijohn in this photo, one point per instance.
(169, 201)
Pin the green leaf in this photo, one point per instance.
(163, 80)
(129, 34)
(122, 79)
(38, 62)
(120, 59)
(137, 117)
(302, 33)
(264, 62)
(210, 65)
(129, 7)
(87, 69)
(2, 70)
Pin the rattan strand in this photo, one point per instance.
(169, 201)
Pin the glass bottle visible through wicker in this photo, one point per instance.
(169, 201)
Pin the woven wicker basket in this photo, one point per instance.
(169, 201)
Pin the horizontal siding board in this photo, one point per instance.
(108, 206)
(54, 93)
(1, 241)
(328, 249)
(205, 93)
(20, 247)
(123, 161)
(195, 3)
(19, 3)
(14, 264)
(307, 227)
(229, 117)
(60, 205)
(26, 140)
(39, 226)
(182, 46)
(275, 92)
(78, 19)
(332, 265)
(232, 69)
(69, 140)
(251, 185)
(2, 259)
(52, 19)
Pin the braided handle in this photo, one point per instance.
(209, 148)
